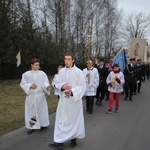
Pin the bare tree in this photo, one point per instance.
(136, 25)
(111, 21)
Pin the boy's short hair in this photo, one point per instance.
(70, 53)
(34, 60)
(116, 65)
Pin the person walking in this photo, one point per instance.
(130, 74)
(34, 83)
(140, 75)
(102, 88)
(92, 81)
(115, 80)
(69, 123)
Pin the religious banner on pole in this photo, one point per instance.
(138, 49)
(148, 53)
(121, 59)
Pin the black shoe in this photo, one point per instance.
(30, 131)
(122, 93)
(99, 103)
(130, 99)
(135, 93)
(139, 92)
(96, 103)
(125, 98)
(60, 146)
(90, 111)
(73, 143)
(43, 128)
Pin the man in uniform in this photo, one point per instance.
(130, 74)
(140, 75)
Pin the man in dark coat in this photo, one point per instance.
(130, 74)
(140, 75)
(101, 90)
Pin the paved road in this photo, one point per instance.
(127, 130)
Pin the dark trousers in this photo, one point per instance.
(101, 91)
(139, 85)
(144, 77)
(148, 75)
(135, 88)
(107, 93)
(89, 103)
(129, 88)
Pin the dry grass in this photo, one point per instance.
(12, 101)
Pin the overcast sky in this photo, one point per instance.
(134, 5)
(129, 6)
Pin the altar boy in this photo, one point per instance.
(34, 83)
(115, 80)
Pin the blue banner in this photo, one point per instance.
(121, 59)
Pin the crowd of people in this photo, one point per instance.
(128, 82)
(99, 80)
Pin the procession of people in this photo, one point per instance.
(99, 81)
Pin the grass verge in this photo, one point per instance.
(12, 101)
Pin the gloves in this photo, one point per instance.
(137, 81)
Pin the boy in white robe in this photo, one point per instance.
(92, 81)
(54, 81)
(69, 123)
(35, 83)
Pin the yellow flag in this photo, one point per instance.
(18, 59)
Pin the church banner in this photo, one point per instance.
(121, 59)
(138, 49)
(148, 53)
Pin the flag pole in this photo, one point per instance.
(118, 53)
(18, 57)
